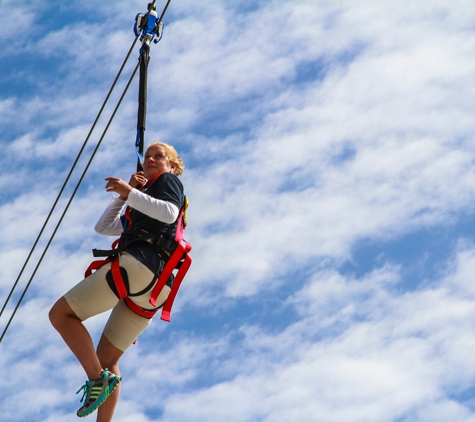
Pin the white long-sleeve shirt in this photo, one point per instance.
(109, 223)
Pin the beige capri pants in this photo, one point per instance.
(93, 296)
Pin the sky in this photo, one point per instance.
(330, 168)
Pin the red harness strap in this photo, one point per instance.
(180, 253)
(115, 270)
(116, 274)
(118, 280)
(139, 310)
(95, 265)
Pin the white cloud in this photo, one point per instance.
(308, 126)
(406, 352)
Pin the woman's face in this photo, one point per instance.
(156, 162)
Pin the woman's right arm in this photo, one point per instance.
(110, 223)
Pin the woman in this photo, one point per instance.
(154, 210)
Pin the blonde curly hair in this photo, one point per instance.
(172, 156)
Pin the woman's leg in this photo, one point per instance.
(109, 356)
(90, 297)
(122, 328)
(76, 336)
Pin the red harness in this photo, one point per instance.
(180, 259)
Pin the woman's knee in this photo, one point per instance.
(60, 312)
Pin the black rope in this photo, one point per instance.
(68, 177)
(77, 185)
(69, 202)
(162, 15)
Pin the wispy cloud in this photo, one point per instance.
(310, 129)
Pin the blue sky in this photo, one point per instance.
(330, 169)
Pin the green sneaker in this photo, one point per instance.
(97, 391)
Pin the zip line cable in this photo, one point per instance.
(68, 177)
(151, 6)
(68, 204)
